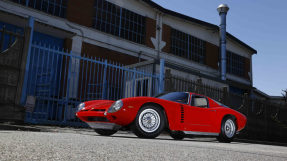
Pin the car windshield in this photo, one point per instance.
(180, 97)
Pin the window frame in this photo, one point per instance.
(201, 97)
(119, 21)
(52, 7)
(187, 46)
(235, 64)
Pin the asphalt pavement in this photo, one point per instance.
(84, 144)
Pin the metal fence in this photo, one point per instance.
(173, 83)
(58, 81)
(265, 120)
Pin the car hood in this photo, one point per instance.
(98, 104)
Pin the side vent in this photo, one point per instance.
(181, 114)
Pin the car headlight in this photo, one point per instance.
(81, 106)
(116, 106)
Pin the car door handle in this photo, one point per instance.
(213, 110)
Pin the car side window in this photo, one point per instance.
(199, 101)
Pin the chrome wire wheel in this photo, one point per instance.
(229, 128)
(149, 120)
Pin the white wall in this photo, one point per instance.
(136, 6)
(194, 78)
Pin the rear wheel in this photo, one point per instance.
(228, 130)
(105, 132)
(150, 122)
(177, 135)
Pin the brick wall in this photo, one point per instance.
(212, 55)
(100, 52)
(68, 44)
(81, 12)
(150, 31)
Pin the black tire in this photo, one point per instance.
(105, 132)
(149, 122)
(228, 130)
(177, 135)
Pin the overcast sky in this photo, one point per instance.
(262, 24)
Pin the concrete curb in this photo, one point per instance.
(5, 126)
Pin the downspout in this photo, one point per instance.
(222, 10)
(159, 33)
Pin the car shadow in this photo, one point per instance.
(161, 137)
(206, 139)
(245, 141)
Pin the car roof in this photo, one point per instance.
(198, 94)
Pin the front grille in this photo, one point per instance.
(101, 119)
(100, 110)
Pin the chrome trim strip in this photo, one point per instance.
(189, 98)
(201, 133)
(103, 125)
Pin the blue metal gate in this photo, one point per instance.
(58, 81)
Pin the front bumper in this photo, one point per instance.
(103, 125)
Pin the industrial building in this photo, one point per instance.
(131, 33)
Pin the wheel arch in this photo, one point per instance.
(232, 116)
(159, 106)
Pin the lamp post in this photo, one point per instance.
(222, 10)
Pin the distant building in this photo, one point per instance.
(273, 99)
(133, 31)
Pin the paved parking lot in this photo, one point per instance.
(87, 145)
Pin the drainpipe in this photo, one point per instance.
(158, 33)
(222, 10)
(31, 22)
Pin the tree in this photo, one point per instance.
(285, 95)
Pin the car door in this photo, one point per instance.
(199, 117)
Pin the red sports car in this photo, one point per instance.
(181, 113)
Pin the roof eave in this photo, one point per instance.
(194, 20)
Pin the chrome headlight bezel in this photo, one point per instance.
(116, 106)
(80, 107)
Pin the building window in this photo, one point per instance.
(187, 46)
(53, 7)
(235, 64)
(118, 21)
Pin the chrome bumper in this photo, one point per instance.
(103, 125)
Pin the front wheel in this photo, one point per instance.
(149, 123)
(228, 130)
(105, 132)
